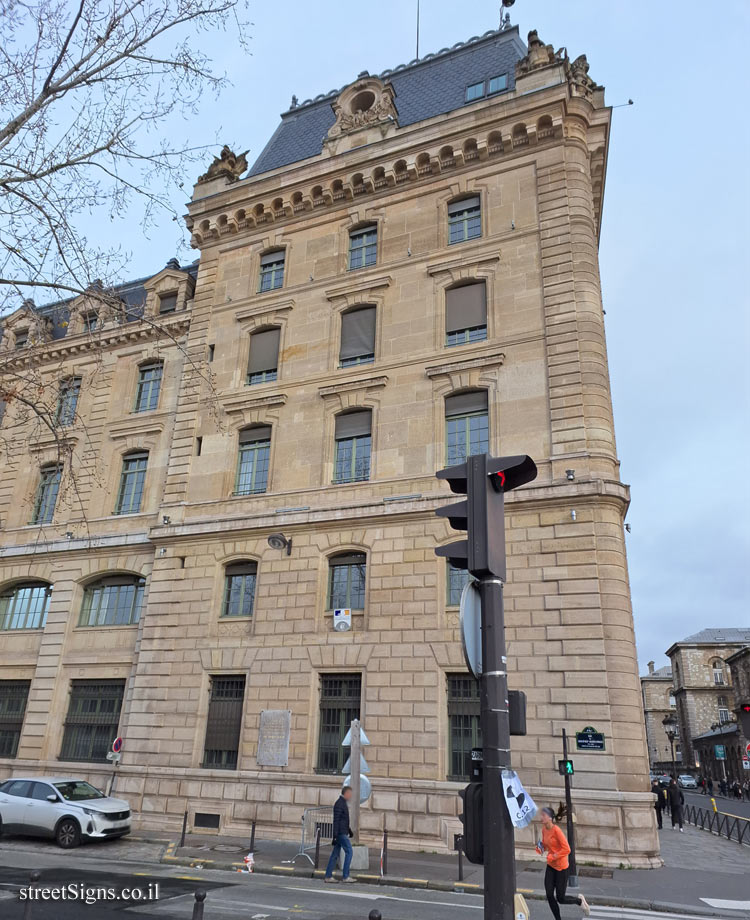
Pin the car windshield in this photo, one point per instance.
(78, 791)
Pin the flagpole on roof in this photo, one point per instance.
(417, 29)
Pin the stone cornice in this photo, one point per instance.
(233, 402)
(357, 286)
(137, 426)
(366, 383)
(495, 359)
(450, 265)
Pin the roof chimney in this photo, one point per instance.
(650, 667)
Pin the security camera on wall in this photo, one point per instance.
(342, 619)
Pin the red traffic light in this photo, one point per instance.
(501, 477)
(745, 707)
(508, 473)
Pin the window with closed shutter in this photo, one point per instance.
(224, 723)
(264, 356)
(466, 426)
(357, 337)
(466, 314)
(353, 445)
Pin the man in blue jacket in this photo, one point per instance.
(341, 834)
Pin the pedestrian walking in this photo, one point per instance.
(659, 802)
(556, 846)
(341, 834)
(676, 801)
(710, 786)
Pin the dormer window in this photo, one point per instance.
(167, 303)
(90, 321)
(22, 339)
(497, 84)
(474, 91)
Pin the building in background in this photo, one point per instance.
(659, 703)
(407, 275)
(703, 680)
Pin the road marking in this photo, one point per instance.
(188, 878)
(389, 897)
(727, 905)
(633, 913)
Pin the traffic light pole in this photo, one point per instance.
(572, 871)
(499, 846)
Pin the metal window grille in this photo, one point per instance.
(149, 384)
(114, 601)
(463, 723)
(457, 581)
(13, 697)
(46, 495)
(239, 589)
(132, 481)
(25, 606)
(363, 247)
(224, 723)
(346, 581)
(352, 459)
(252, 468)
(340, 696)
(92, 720)
(271, 271)
(466, 336)
(464, 220)
(466, 435)
(68, 401)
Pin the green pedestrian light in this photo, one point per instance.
(565, 767)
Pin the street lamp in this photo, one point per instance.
(670, 727)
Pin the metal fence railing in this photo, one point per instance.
(733, 827)
(315, 821)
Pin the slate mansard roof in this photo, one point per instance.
(728, 636)
(434, 85)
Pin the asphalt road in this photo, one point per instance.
(731, 806)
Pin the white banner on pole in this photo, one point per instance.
(521, 807)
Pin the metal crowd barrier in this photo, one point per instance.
(315, 821)
(733, 827)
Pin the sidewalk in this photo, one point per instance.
(696, 865)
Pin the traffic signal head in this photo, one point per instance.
(471, 818)
(565, 767)
(744, 714)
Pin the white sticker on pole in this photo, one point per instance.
(521, 807)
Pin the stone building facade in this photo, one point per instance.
(658, 703)
(705, 695)
(408, 273)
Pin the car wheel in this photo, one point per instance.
(68, 834)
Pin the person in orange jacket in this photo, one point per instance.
(555, 845)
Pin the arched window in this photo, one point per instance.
(114, 600)
(357, 336)
(264, 355)
(46, 494)
(466, 426)
(363, 247)
(718, 669)
(271, 270)
(24, 605)
(347, 575)
(67, 402)
(149, 385)
(239, 589)
(353, 436)
(466, 313)
(252, 464)
(132, 482)
(464, 220)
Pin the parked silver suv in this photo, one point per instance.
(60, 807)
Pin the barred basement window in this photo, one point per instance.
(112, 601)
(457, 581)
(46, 494)
(68, 401)
(466, 426)
(92, 720)
(363, 247)
(239, 589)
(347, 575)
(271, 271)
(463, 724)
(149, 384)
(464, 220)
(339, 704)
(254, 457)
(13, 697)
(24, 606)
(132, 481)
(224, 723)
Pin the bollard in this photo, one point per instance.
(375, 915)
(460, 859)
(317, 848)
(200, 897)
(34, 877)
(184, 828)
(252, 837)
(384, 868)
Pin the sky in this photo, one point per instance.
(673, 248)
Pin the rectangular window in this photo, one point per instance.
(149, 384)
(353, 444)
(346, 581)
(457, 581)
(92, 720)
(264, 356)
(357, 337)
(46, 495)
(24, 607)
(224, 723)
(254, 458)
(464, 220)
(13, 697)
(466, 426)
(90, 322)
(112, 602)
(498, 84)
(474, 91)
(466, 314)
(463, 724)
(363, 247)
(239, 589)
(132, 481)
(168, 303)
(340, 696)
(22, 339)
(271, 271)
(68, 401)
(723, 710)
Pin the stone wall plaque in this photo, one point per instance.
(273, 738)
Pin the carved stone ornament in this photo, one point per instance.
(227, 165)
(580, 82)
(366, 102)
(539, 55)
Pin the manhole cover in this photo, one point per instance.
(225, 848)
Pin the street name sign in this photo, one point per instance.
(590, 740)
